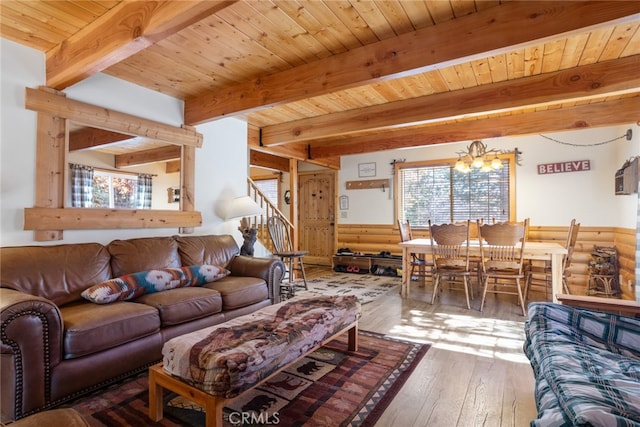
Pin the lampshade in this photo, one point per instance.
(241, 207)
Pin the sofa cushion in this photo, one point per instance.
(90, 328)
(239, 291)
(58, 273)
(211, 249)
(134, 285)
(147, 253)
(184, 304)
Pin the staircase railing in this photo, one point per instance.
(259, 222)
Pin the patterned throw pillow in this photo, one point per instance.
(134, 285)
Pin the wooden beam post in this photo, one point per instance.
(50, 154)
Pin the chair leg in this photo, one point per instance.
(290, 271)
(304, 276)
(565, 286)
(520, 299)
(436, 283)
(484, 292)
(465, 279)
(527, 283)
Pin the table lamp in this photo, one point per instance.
(243, 207)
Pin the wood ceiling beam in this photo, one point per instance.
(606, 113)
(88, 137)
(496, 30)
(297, 151)
(126, 29)
(162, 154)
(610, 77)
(269, 161)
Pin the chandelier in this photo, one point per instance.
(478, 157)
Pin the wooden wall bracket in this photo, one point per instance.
(368, 184)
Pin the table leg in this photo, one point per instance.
(406, 272)
(155, 397)
(556, 276)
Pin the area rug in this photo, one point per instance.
(330, 387)
(367, 287)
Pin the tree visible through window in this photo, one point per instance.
(438, 192)
(115, 191)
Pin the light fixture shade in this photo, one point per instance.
(241, 207)
(496, 163)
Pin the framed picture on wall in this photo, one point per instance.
(366, 170)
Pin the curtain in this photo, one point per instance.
(81, 186)
(144, 191)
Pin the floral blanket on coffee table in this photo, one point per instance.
(227, 359)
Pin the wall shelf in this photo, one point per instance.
(367, 184)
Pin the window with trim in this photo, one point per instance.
(112, 190)
(436, 191)
(95, 188)
(269, 187)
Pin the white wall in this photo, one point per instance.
(221, 164)
(221, 169)
(546, 199)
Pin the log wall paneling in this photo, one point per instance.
(374, 238)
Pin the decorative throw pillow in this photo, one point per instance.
(134, 285)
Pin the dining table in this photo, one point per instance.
(551, 251)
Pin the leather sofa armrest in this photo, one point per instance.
(31, 331)
(271, 270)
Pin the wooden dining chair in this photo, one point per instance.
(540, 275)
(421, 266)
(450, 251)
(279, 232)
(502, 254)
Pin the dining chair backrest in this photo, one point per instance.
(502, 244)
(279, 232)
(572, 238)
(405, 230)
(450, 244)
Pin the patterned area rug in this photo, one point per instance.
(330, 387)
(367, 287)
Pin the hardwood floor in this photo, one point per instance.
(474, 374)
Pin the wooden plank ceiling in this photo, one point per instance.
(320, 79)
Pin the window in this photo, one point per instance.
(269, 187)
(436, 191)
(113, 190)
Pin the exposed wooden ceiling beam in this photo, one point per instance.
(269, 161)
(170, 152)
(172, 166)
(298, 151)
(606, 113)
(616, 76)
(89, 137)
(126, 29)
(496, 30)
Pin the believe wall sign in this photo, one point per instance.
(571, 166)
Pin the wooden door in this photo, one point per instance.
(316, 213)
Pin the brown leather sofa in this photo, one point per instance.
(55, 345)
